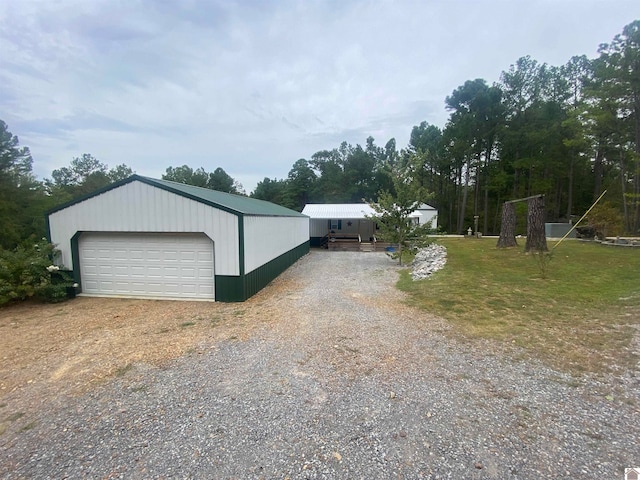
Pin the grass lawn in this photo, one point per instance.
(579, 316)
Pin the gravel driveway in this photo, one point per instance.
(347, 383)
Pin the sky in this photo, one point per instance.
(254, 85)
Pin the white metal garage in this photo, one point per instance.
(149, 238)
(147, 265)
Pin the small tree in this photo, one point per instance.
(393, 211)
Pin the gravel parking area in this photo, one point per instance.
(338, 380)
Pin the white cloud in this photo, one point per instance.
(253, 86)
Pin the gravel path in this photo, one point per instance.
(344, 383)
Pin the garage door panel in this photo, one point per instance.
(147, 265)
(105, 270)
(171, 272)
(208, 291)
(188, 256)
(120, 255)
(175, 290)
(154, 272)
(187, 272)
(171, 256)
(106, 286)
(92, 270)
(137, 287)
(205, 256)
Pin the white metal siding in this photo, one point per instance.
(429, 216)
(138, 207)
(162, 265)
(267, 238)
(318, 227)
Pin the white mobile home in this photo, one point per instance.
(351, 219)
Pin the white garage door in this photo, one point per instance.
(148, 265)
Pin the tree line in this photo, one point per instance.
(24, 200)
(567, 132)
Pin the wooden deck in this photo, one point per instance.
(352, 243)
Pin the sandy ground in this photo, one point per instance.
(49, 349)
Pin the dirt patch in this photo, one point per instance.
(70, 347)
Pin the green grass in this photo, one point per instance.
(15, 416)
(122, 371)
(29, 426)
(577, 315)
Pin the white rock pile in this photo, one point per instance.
(428, 260)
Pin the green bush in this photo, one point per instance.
(51, 293)
(607, 220)
(28, 272)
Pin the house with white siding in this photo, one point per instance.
(149, 238)
(352, 221)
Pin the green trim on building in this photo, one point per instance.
(228, 288)
(75, 259)
(241, 244)
(240, 288)
(315, 241)
(235, 204)
(47, 227)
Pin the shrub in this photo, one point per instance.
(607, 220)
(28, 272)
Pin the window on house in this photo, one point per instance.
(335, 224)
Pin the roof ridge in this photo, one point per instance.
(230, 202)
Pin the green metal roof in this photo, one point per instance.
(225, 201)
(229, 201)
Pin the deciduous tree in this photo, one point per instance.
(393, 211)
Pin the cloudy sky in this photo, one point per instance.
(253, 85)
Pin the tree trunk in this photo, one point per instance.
(485, 228)
(536, 238)
(570, 193)
(625, 209)
(487, 161)
(597, 172)
(636, 168)
(465, 196)
(508, 226)
(477, 182)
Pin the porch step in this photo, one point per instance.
(367, 247)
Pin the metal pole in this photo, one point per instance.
(581, 218)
